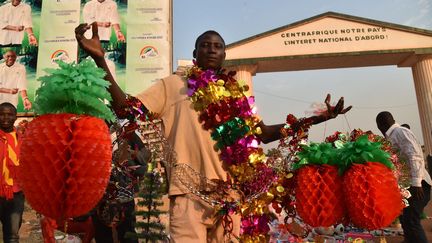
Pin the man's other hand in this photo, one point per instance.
(334, 111)
(120, 37)
(33, 40)
(27, 104)
(91, 46)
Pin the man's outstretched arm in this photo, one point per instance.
(272, 133)
(94, 49)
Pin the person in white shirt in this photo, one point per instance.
(13, 80)
(104, 13)
(404, 140)
(15, 18)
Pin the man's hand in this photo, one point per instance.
(120, 36)
(32, 40)
(417, 192)
(16, 28)
(332, 111)
(94, 48)
(14, 91)
(104, 24)
(27, 104)
(90, 46)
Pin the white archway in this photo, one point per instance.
(334, 40)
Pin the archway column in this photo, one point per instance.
(245, 73)
(422, 73)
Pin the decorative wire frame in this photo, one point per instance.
(123, 193)
(348, 124)
(195, 183)
(346, 121)
(204, 188)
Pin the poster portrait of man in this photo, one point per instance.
(105, 13)
(13, 81)
(15, 19)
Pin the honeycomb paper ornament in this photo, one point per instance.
(319, 195)
(372, 195)
(66, 163)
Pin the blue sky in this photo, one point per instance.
(369, 89)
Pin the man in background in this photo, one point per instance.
(15, 18)
(13, 80)
(410, 149)
(11, 196)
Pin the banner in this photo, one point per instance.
(19, 35)
(111, 18)
(149, 38)
(58, 42)
(135, 34)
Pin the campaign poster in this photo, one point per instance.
(110, 17)
(136, 36)
(19, 40)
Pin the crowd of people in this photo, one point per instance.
(191, 219)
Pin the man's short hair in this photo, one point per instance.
(8, 105)
(208, 32)
(406, 126)
(6, 50)
(385, 117)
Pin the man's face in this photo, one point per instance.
(16, 2)
(210, 52)
(10, 58)
(383, 126)
(101, 1)
(7, 118)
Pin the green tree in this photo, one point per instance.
(150, 228)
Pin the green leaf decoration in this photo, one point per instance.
(74, 88)
(316, 154)
(361, 151)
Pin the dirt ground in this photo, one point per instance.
(31, 233)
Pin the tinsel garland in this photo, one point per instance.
(230, 116)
